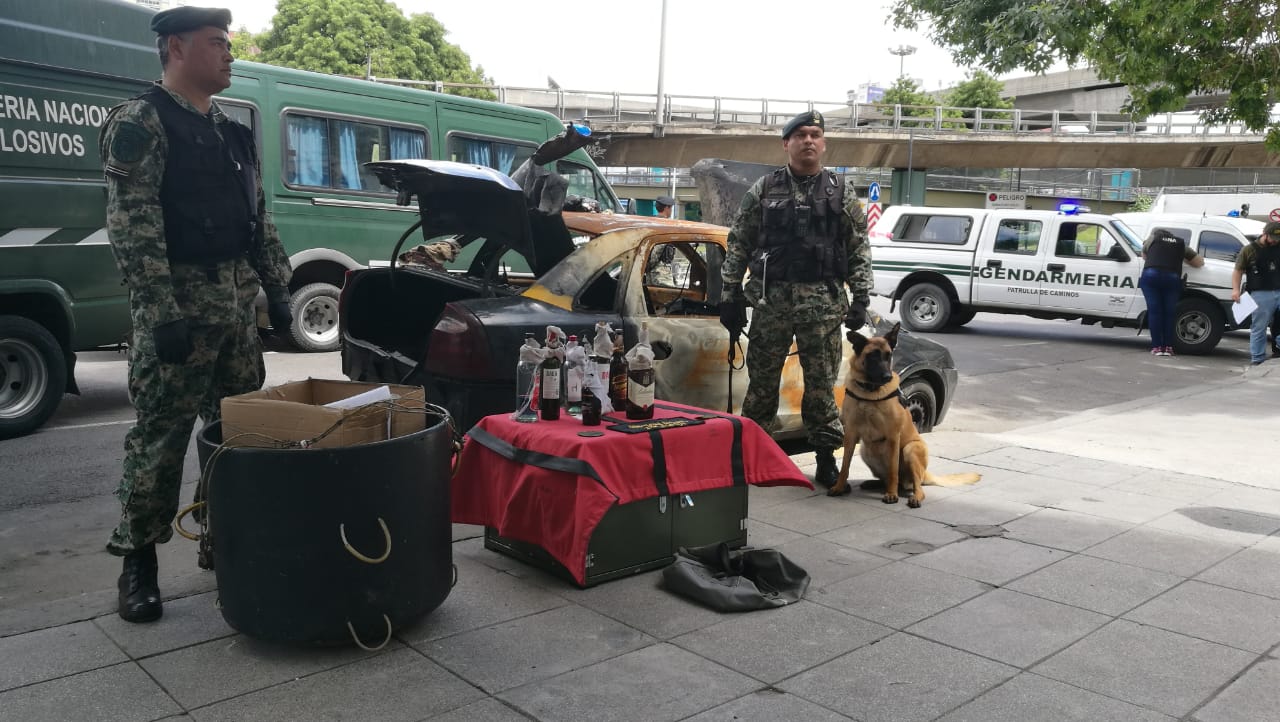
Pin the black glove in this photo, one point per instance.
(173, 341)
(733, 316)
(856, 318)
(280, 315)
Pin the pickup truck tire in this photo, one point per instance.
(961, 316)
(33, 375)
(922, 403)
(315, 317)
(1197, 327)
(926, 308)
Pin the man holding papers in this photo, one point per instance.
(1260, 263)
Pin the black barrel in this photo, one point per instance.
(288, 528)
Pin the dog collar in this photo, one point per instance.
(895, 394)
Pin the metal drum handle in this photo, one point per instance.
(386, 534)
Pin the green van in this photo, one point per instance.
(65, 63)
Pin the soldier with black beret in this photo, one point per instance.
(187, 222)
(664, 204)
(802, 234)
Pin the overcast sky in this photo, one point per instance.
(729, 48)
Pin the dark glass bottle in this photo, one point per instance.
(618, 376)
(549, 384)
(590, 408)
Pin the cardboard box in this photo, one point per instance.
(296, 411)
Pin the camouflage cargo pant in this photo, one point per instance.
(814, 320)
(227, 360)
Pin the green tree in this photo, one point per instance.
(1164, 50)
(352, 37)
(980, 90)
(244, 45)
(914, 101)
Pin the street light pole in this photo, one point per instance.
(658, 131)
(902, 51)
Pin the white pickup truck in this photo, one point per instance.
(946, 264)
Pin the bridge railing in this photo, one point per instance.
(724, 111)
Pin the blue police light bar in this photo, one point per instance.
(1070, 208)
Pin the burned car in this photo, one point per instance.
(457, 332)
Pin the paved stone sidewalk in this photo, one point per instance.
(1061, 587)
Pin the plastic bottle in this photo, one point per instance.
(526, 377)
(640, 377)
(618, 376)
(549, 381)
(575, 361)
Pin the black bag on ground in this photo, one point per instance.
(736, 580)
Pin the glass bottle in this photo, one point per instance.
(526, 377)
(590, 408)
(549, 380)
(640, 377)
(618, 376)
(574, 363)
(601, 349)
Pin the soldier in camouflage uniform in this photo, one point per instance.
(803, 236)
(186, 217)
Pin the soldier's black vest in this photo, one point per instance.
(1166, 254)
(209, 190)
(1263, 273)
(802, 240)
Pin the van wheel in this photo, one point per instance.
(33, 375)
(922, 403)
(315, 317)
(1197, 327)
(926, 308)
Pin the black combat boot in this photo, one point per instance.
(139, 590)
(825, 475)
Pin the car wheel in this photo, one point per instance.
(1197, 327)
(926, 308)
(922, 403)
(315, 317)
(33, 375)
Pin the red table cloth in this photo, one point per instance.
(544, 484)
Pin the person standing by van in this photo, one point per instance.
(803, 235)
(1259, 262)
(1161, 284)
(664, 204)
(187, 225)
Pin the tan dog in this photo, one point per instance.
(872, 413)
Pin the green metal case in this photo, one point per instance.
(644, 535)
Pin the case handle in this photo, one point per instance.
(386, 534)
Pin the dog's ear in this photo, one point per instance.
(858, 340)
(892, 336)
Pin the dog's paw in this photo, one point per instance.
(889, 498)
(839, 490)
(913, 502)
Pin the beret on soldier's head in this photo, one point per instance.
(186, 19)
(809, 117)
(1272, 229)
(666, 201)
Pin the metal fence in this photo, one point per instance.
(610, 106)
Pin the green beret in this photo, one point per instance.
(809, 117)
(1272, 229)
(186, 19)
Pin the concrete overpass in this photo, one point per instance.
(682, 145)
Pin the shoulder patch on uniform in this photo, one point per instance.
(129, 143)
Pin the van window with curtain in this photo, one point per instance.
(583, 181)
(331, 153)
(498, 155)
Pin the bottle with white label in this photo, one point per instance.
(575, 360)
(549, 380)
(640, 377)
